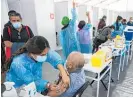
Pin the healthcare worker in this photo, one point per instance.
(118, 27)
(124, 22)
(130, 23)
(26, 64)
(83, 35)
(67, 36)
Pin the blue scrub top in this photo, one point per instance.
(25, 70)
(130, 24)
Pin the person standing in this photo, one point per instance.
(67, 35)
(130, 23)
(118, 27)
(10, 14)
(102, 23)
(83, 35)
(15, 35)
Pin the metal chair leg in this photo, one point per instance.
(104, 85)
(112, 80)
(93, 80)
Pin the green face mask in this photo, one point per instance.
(65, 21)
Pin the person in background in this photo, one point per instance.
(3, 59)
(130, 23)
(102, 37)
(25, 66)
(124, 22)
(67, 35)
(118, 27)
(10, 14)
(83, 35)
(15, 35)
(118, 24)
(102, 23)
(74, 67)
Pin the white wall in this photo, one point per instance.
(4, 14)
(14, 5)
(27, 10)
(28, 14)
(126, 15)
(95, 16)
(45, 25)
(110, 17)
(59, 14)
(82, 9)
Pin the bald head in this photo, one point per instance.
(75, 60)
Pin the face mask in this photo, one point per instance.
(16, 25)
(119, 22)
(112, 30)
(41, 58)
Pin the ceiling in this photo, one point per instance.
(117, 5)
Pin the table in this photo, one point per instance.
(120, 52)
(88, 67)
(129, 44)
(117, 52)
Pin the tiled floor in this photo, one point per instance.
(121, 88)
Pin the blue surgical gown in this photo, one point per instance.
(84, 39)
(68, 37)
(130, 24)
(25, 70)
(118, 32)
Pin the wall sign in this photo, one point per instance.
(51, 16)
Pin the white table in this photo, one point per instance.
(90, 68)
(117, 52)
(120, 52)
(130, 44)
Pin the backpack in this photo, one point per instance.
(8, 49)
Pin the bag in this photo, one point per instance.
(8, 49)
(8, 90)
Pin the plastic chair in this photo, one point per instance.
(82, 89)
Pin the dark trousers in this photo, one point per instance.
(96, 43)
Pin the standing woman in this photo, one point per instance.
(83, 35)
(118, 27)
(68, 37)
(26, 64)
(102, 23)
(130, 23)
(15, 35)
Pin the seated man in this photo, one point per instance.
(74, 65)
